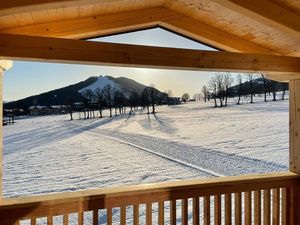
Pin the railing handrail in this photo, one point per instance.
(69, 202)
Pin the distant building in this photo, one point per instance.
(39, 110)
(174, 101)
(78, 106)
(59, 109)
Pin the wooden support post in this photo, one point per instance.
(294, 88)
(294, 109)
(4, 65)
(1, 134)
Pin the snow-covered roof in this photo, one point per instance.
(37, 107)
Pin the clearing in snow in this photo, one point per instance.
(50, 154)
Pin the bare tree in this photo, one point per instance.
(228, 80)
(108, 94)
(284, 87)
(69, 107)
(219, 79)
(133, 100)
(265, 82)
(240, 88)
(185, 97)
(153, 94)
(119, 100)
(274, 88)
(169, 95)
(88, 96)
(213, 87)
(251, 86)
(205, 93)
(145, 98)
(100, 100)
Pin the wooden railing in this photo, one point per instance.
(256, 199)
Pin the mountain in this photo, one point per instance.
(73, 92)
(122, 84)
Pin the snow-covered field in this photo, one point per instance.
(52, 154)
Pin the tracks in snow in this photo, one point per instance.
(211, 162)
(203, 170)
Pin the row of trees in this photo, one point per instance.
(220, 88)
(112, 98)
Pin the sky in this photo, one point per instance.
(31, 78)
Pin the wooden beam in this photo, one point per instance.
(88, 27)
(22, 6)
(267, 12)
(87, 52)
(6, 64)
(294, 110)
(283, 77)
(1, 133)
(212, 36)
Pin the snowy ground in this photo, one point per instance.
(52, 154)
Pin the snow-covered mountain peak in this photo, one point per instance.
(100, 83)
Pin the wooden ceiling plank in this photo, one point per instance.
(89, 27)
(98, 25)
(85, 11)
(21, 6)
(56, 14)
(266, 12)
(212, 36)
(20, 47)
(24, 19)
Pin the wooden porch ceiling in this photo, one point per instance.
(267, 27)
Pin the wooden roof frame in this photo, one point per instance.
(50, 45)
(22, 47)
(97, 26)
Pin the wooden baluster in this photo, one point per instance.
(109, 216)
(136, 214)
(123, 215)
(65, 219)
(275, 203)
(217, 209)
(285, 206)
(294, 205)
(33, 221)
(149, 214)
(257, 207)
(196, 220)
(238, 208)
(206, 214)
(49, 220)
(227, 209)
(80, 218)
(173, 212)
(161, 213)
(184, 211)
(267, 211)
(95, 217)
(248, 208)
